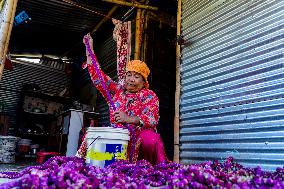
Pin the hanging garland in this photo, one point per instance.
(122, 36)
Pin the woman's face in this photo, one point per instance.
(134, 82)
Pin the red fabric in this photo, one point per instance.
(145, 143)
(8, 64)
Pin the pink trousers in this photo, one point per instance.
(151, 147)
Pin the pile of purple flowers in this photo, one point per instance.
(72, 172)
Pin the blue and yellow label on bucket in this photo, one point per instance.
(107, 153)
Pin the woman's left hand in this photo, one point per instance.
(122, 117)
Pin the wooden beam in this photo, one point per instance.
(177, 92)
(80, 6)
(131, 4)
(8, 12)
(145, 37)
(138, 35)
(2, 4)
(108, 16)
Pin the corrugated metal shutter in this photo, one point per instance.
(50, 80)
(232, 101)
(107, 57)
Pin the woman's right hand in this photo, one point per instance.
(89, 38)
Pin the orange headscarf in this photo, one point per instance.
(139, 67)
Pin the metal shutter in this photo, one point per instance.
(232, 97)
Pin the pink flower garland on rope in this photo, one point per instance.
(122, 36)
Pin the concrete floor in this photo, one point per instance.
(18, 166)
(4, 180)
(15, 167)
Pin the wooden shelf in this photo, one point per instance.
(29, 156)
(38, 113)
(59, 99)
(33, 134)
(83, 111)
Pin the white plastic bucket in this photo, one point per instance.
(7, 149)
(106, 145)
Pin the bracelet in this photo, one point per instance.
(141, 123)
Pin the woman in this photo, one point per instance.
(137, 109)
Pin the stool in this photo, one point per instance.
(42, 156)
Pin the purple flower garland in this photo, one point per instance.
(72, 172)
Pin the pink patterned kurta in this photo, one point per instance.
(145, 143)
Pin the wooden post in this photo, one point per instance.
(145, 37)
(7, 15)
(138, 35)
(177, 93)
(131, 4)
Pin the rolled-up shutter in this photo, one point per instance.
(232, 80)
